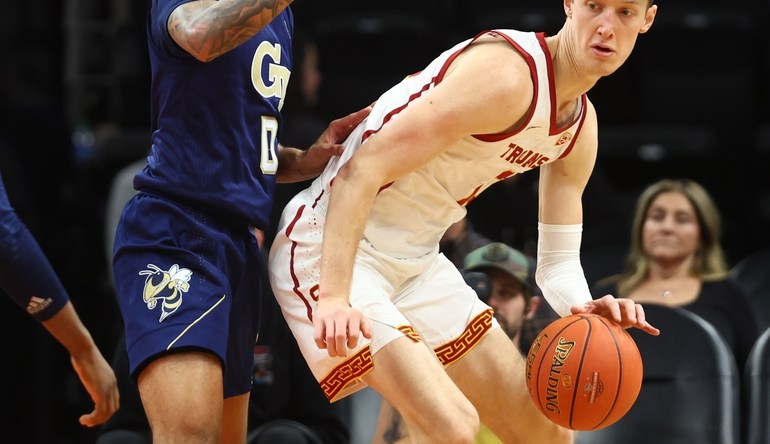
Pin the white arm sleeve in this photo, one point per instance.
(559, 273)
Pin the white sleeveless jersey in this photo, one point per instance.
(410, 215)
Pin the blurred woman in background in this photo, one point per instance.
(676, 259)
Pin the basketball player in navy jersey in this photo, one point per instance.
(28, 278)
(185, 257)
(356, 264)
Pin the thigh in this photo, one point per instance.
(235, 419)
(182, 397)
(492, 376)
(410, 378)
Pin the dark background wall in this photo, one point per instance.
(692, 101)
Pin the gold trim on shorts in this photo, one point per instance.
(351, 369)
(361, 363)
(356, 366)
(476, 329)
(410, 332)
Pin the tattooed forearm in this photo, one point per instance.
(209, 28)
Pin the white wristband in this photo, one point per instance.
(559, 273)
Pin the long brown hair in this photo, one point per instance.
(709, 262)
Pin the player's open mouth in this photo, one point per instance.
(602, 50)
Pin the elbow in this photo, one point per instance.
(200, 51)
(205, 58)
(203, 52)
(354, 173)
(195, 40)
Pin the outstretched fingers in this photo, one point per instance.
(625, 312)
(340, 129)
(340, 331)
(358, 328)
(632, 316)
(641, 322)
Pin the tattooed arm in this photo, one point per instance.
(209, 28)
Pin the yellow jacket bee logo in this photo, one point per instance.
(167, 286)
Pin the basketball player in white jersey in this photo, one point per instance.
(375, 303)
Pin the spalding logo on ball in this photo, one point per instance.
(584, 372)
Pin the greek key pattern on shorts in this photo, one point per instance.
(353, 368)
(476, 329)
(410, 332)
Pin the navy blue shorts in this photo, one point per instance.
(185, 280)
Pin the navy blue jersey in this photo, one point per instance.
(216, 124)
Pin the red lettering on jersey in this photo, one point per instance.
(512, 153)
(526, 158)
(472, 196)
(536, 161)
(521, 159)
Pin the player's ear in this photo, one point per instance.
(568, 8)
(649, 17)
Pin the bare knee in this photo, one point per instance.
(187, 429)
(549, 432)
(456, 425)
(460, 430)
(187, 423)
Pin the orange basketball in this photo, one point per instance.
(584, 372)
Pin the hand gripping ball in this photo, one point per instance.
(584, 372)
